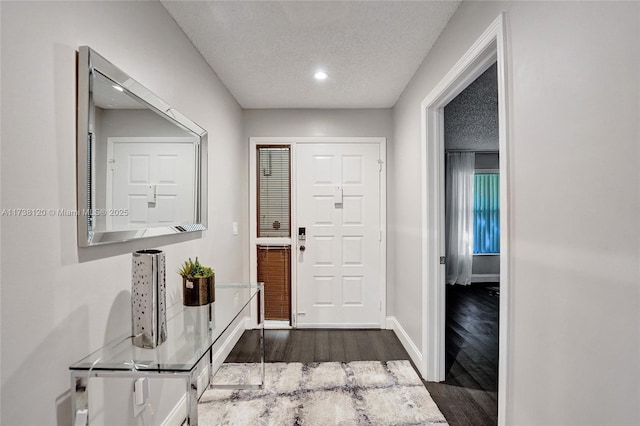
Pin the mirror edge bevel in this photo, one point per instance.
(82, 117)
(202, 208)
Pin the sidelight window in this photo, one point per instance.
(274, 191)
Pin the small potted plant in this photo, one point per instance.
(198, 283)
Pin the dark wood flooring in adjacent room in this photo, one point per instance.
(467, 397)
(471, 356)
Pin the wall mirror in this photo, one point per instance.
(141, 164)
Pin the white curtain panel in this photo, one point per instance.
(459, 217)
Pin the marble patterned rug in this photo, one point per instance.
(326, 393)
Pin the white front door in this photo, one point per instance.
(153, 180)
(338, 204)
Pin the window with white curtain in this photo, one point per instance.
(486, 213)
(274, 193)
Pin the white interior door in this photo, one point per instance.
(338, 204)
(152, 180)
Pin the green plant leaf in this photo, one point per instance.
(194, 269)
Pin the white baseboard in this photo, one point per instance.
(390, 322)
(407, 343)
(225, 349)
(332, 325)
(277, 325)
(177, 416)
(485, 278)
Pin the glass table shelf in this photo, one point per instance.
(191, 333)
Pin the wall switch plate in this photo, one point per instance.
(140, 395)
(234, 227)
(82, 417)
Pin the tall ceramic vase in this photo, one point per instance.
(148, 299)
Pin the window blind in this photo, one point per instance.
(274, 270)
(274, 194)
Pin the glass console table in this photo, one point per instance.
(191, 333)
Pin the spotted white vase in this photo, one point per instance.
(148, 298)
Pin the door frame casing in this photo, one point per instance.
(490, 47)
(255, 141)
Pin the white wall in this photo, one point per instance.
(328, 123)
(58, 302)
(318, 122)
(574, 195)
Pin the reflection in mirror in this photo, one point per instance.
(139, 161)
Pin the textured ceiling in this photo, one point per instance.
(266, 52)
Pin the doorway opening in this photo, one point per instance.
(472, 244)
(488, 49)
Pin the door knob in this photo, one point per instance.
(302, 248)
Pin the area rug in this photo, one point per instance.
(327, 393)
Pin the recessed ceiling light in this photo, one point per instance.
(115, 86)
(320, 75)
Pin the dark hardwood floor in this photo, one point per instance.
(471, 356)
(469, 394)
(319, 345)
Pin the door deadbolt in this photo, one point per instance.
(302, 248)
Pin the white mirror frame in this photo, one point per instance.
(88, 62)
